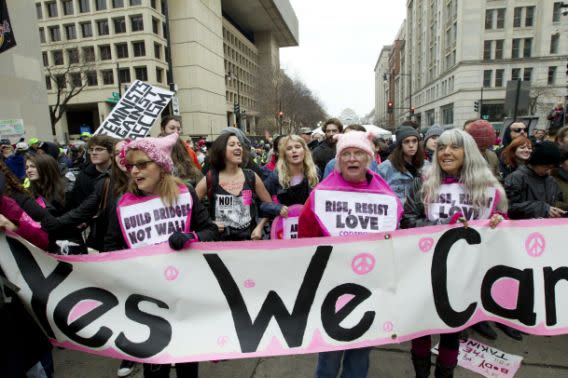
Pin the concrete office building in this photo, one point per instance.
(455, 52)
(216, 50)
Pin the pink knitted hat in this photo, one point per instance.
(354, 139)
(157, 149)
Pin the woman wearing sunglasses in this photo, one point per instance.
(155, 190)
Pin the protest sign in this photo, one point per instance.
(12, 129)
(486, 360)
(286, 227)
(7, 39)
(135, 113)
(267, 298)
(453, 199)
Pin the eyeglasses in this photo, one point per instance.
(140, 165)
(358, 155)
(96, 149)
(519, 129)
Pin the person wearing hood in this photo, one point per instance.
(430, 140)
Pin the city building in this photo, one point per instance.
(381, 88)
(208, 52)
(457, 53)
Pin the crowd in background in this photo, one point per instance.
(66, 199)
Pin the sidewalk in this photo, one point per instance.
(544, 357)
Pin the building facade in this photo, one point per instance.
(460, 52)
(381, 88)
(208, 52)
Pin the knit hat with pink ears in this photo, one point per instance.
(159, 150)
(354, 139)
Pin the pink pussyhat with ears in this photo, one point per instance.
(354, 139)
(159, 150)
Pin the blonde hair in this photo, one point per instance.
(168, 186)
(475, 174)
(309, 168)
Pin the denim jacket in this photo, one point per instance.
(400, 182)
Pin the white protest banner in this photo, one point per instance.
(12, 129)
(135, 113)
(486, 360)
(452, 199)
(355, 213)
(265, 298)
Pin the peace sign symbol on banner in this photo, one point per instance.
(535, 244)
(363, 263)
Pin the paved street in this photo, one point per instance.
(544, 357)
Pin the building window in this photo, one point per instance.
(88, 54)
(108, 77)
(527, 74)
(84, 6)
(104, 52)
(527, 48)
(551, 75)
(100, 5)
(119, 25)
(153, 4)
(516, 49)
(157, 51)
(500, 18)
(135, 2)
(554, 40)
(139, 48)
(45, 59)
(86, 29)
(124, 75)
(121, 50)
(54, 34)
(118, 3)
(48, 82)
(164, 29)
(155, 25)
(499, 49)
(92, 78)
(75, 79)
(73, 56)
(516, 74)
(60, 81)
(488, 19)
(51, 9)
(42, 35)
(487, 50)
(529, 16)
(448, 114)
(141, 73)
(39, 12)
(67, 7)
(499, 74)
(70, 32)
(102, 27)
(557, 11)
(159, 75)
(136, 23)
(57, 57)
(518, 15)
(163, 7)
(487, 78)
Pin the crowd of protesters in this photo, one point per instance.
(66, 200)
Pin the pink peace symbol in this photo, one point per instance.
(388, 326)
(171, 273)
(250, 283)
(425, 244)
(535, 244)
(363, 263)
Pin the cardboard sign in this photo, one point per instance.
(12, 129)
(355, 213)
(267, 298)
(135, 113)
(453, 199)
(286, 228)
(486, 360)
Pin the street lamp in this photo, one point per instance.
(237, 104)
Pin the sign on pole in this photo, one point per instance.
(136, 112)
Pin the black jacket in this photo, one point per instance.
(414, 212)
(322, 154)
(85, 185)
(297, 194)
(201, 224)
(530, 195)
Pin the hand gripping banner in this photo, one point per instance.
(266, 298)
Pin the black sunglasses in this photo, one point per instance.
(519, 129)
(139, 165)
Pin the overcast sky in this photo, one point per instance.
(340, 42)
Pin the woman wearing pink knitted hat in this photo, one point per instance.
(154, 190)
(331, 211)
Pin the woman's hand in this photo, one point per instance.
(284, 211)
(6, 224)
(256, 233)
(220, 226)
(554, 212)
(495, 220)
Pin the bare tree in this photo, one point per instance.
(68, 80)
(539, 99)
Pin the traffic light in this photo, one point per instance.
(390, 106)
(476, 106)
(237, 108)
(412, 110)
